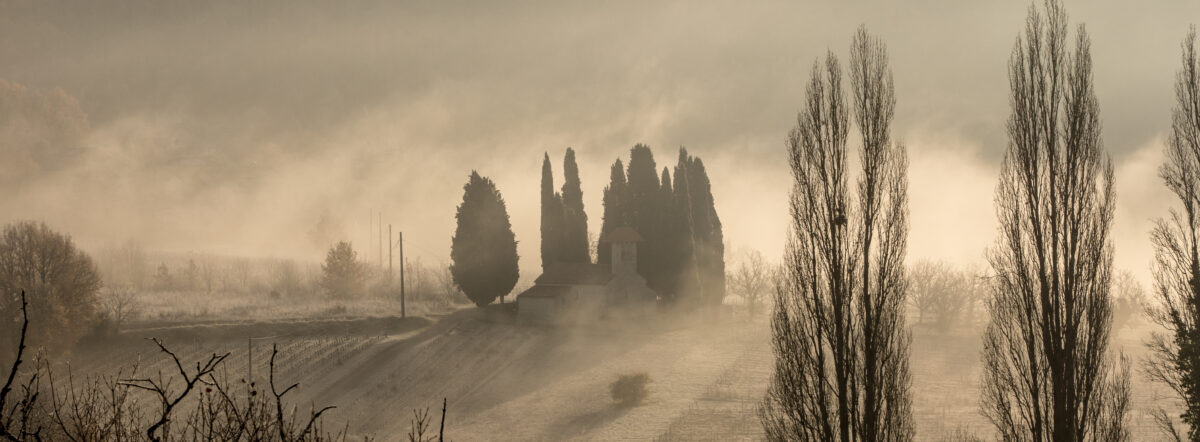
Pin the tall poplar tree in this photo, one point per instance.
(838, 332)
(1047, 371)
(1175, 360)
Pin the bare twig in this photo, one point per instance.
(162, 390)
(5, 429)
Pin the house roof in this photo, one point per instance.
(622, 234)
(545, 291)
(575, 274)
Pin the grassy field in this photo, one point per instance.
(510, 382)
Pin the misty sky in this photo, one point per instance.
(229, 127)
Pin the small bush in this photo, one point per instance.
(630, 389)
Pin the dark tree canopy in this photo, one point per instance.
(575, 234)
(553, 221)
(61, 283)
(681, 260)
(707, 244)
(483, 252)
(1048, 374)
(645, 213)
(615, 212)
(343, 276)
(684, 279)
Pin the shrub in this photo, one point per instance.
(630, 389)
(107, 407)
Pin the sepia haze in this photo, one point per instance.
(230, 127)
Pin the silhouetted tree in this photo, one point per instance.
(711, 273)
(1175, 359)
(61, 281)
(1047, 372)
(681, 242)
(615, 199)
(708, 248)
(483, 252)
(343, 276)
(671, 260)
(575, 234)
(644, 213)
(838, 332)
(553, 220)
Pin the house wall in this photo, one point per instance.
(624, 258)
(628, 296)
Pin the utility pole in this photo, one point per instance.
(402, 315)
(380, 240)
(390, 247)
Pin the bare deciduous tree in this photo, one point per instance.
(120, 304)
(1048, 375)
(1175, 359)
(194, 404)
(61, 281)
(752, 280)
(1129, 299)
(944, 293)
(841, 346)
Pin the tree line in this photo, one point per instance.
(683, 256)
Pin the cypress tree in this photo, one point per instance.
(574, 233)
(686, 274)
(671, 258)
(644, 213)
(710, 241)
(552, 217)
(483, 251)
(614, 208)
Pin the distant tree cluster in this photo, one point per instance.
(564, 222)
(683, 256)
(945, 296)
